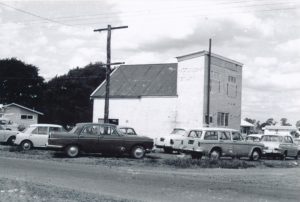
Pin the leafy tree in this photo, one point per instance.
(284, 122)
(20, 83)
(67, 98)
(268, 122)
(253, 121)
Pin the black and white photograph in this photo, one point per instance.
(149, 100)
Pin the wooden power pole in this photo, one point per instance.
(108, 69)
(208, 85)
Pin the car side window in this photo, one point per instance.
(40, 130)
(193, 134)
(236, 136)
(54, 129)
(108, 130)
(211, 135)
(90, 130)
(224, 135)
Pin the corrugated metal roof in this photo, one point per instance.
(141, 80)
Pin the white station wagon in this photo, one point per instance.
(217, 142)
(36, 135)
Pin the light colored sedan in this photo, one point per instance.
(166, 142)
(7, 136)
(218, 142)
(280, 146)
(36, 135)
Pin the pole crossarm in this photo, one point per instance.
(105, 29)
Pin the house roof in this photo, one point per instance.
(276, 127)
(131, 81)
(246, 123)
(20, 106)
(202, 53)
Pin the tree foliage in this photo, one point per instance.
(284, 122)
(67, 98)
(20, 83)
(63, 100)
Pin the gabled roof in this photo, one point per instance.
(131, 81)
(20, 106)
(246, 123)
(202, 53)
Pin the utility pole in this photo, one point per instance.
(108, 69)
(208, 84)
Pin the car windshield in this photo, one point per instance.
(271, 138)
(178, 131)
(73, 129)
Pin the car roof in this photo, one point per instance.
(213, 129)
(280, 135)
(45, 125)
(255, 135)
(89, 123)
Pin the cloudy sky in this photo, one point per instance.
(264, 35)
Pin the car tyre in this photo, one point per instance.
(11, 140)
(138, 152)
(255, 156)
(26, 145)
(215, 154)
(283, 156)
(72, 151)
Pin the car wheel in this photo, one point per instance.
(255, 156)
(168, 150)
(11, 140)
(138, 152)
(26, 145)
(72, 151)
(283, 156)
(215, 154)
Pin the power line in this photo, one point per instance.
(32, 14)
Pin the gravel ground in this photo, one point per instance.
(17, 191)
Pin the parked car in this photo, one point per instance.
(127, 130)
(280, 146)
(177, 143)
(165, 142)
(36, 135)
(99, 138)
(7, 136)
(254, 137)
(218, 142)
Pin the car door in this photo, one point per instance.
(225, 142)
(240, 147)
(110, 141)
(39, 136)
(289, 146)
(88, 138)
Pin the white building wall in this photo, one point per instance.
(149, 116)
(190, 89)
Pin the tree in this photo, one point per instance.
(66, 98)
(268, 122)
(284, 122)
(20, 83)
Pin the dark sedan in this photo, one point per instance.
(99, 138)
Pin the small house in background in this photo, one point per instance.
(156, 98)
(272, 130)
(246, 127)
(16, 114)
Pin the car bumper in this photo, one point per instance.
(272, 152)
(54, 147)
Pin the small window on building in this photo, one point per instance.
(26, 116)
(231, 79)
(223, 119)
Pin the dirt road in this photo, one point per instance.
(77, 182)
